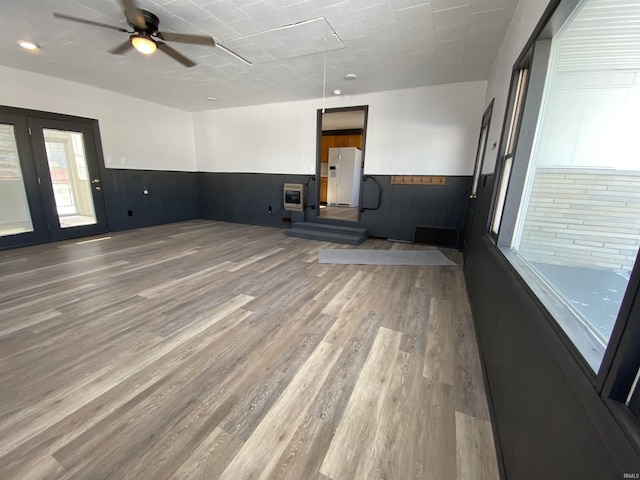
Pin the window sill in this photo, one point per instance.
(579, 335)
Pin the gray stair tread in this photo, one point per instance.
(328, 227)
(354, 239)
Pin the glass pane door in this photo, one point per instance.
(66, 160)
(50, 187)
(69, 175)
(15, 216)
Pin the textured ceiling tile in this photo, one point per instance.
(454, 32)
(400, 4)
(449, 72)
(326, 3)
(286, 3)
(378, 14)
(388, 43)
(363, 4)
(451, 46)
(189, 12)
(269, 16)
(482, 62)
(226, 11)
(247, 26)
(217, 29)
(452, 16)
(482, 5)
(385, 33)
(486, 34)
(351, 30)
(489, 18)
(299, 12)
(109, 9)
(438, 5)
(475, 48)
(339, 13)
(419, 15)
(292, 41)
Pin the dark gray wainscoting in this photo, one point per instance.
(549, 420)
(411, 206)
(172, 197)
(246, 197)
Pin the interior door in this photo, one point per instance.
(69, 177)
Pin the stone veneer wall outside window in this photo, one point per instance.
(583, 218)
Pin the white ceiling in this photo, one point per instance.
(389, 44)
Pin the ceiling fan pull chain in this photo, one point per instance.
(324, 80)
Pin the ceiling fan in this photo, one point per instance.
(145, 36)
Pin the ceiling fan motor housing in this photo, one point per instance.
(151, 21)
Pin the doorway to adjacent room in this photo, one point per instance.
(340, 162)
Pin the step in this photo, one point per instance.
(328, 233)
(327, 227)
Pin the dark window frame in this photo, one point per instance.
(618, 372)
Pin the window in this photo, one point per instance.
(567, 195)
(482, 147)
(578, 225)
(510, 148)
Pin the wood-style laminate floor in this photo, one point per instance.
(339, 213)
(206, 350)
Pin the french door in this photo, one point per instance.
(50, 187)
(477, 173)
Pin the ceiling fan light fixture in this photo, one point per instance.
(144, 45)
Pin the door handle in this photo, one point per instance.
(98, 188)
(95, 180)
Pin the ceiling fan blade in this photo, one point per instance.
(62, 16)
(133, 14)
(187, 38)
(122, 48)
(175, 54)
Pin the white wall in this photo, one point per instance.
(273, 138)
(136, 134)
(419, 131)
(527, 15)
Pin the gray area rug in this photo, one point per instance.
(382, 257)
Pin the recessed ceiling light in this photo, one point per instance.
(350, 76)
(337, 91)
(27, 45)
(212, 99)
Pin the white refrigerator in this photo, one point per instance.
(345, 170)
